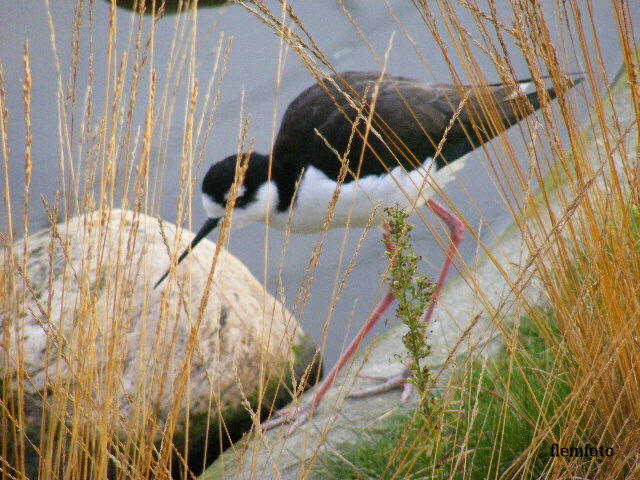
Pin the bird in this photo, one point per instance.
(359, 142)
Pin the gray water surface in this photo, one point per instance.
(252, 72)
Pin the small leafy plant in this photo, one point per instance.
(413, 291)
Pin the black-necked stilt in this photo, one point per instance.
(387, 130)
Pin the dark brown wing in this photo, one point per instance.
(410, 120)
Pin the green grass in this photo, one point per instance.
(518, 392)
(493, 418)
(401, 436)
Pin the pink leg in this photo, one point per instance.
(400, 381)
(456, 229)
(301, 416)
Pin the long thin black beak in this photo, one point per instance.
(209, 225)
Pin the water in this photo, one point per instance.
(252, 72)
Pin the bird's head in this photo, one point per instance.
(255, 196)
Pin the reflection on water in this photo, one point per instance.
(166, 6)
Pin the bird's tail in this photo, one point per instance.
(526, 87)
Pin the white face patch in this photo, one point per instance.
(266, 200)
(213, 209)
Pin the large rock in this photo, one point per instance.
(88, 332)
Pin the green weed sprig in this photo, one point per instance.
(413, 291)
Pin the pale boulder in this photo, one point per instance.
(90, 332)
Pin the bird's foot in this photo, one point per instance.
(295, 416)
(397, 382)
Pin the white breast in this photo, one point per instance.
(360, 198)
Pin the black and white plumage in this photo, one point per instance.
(410, 120)
(395, 165)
